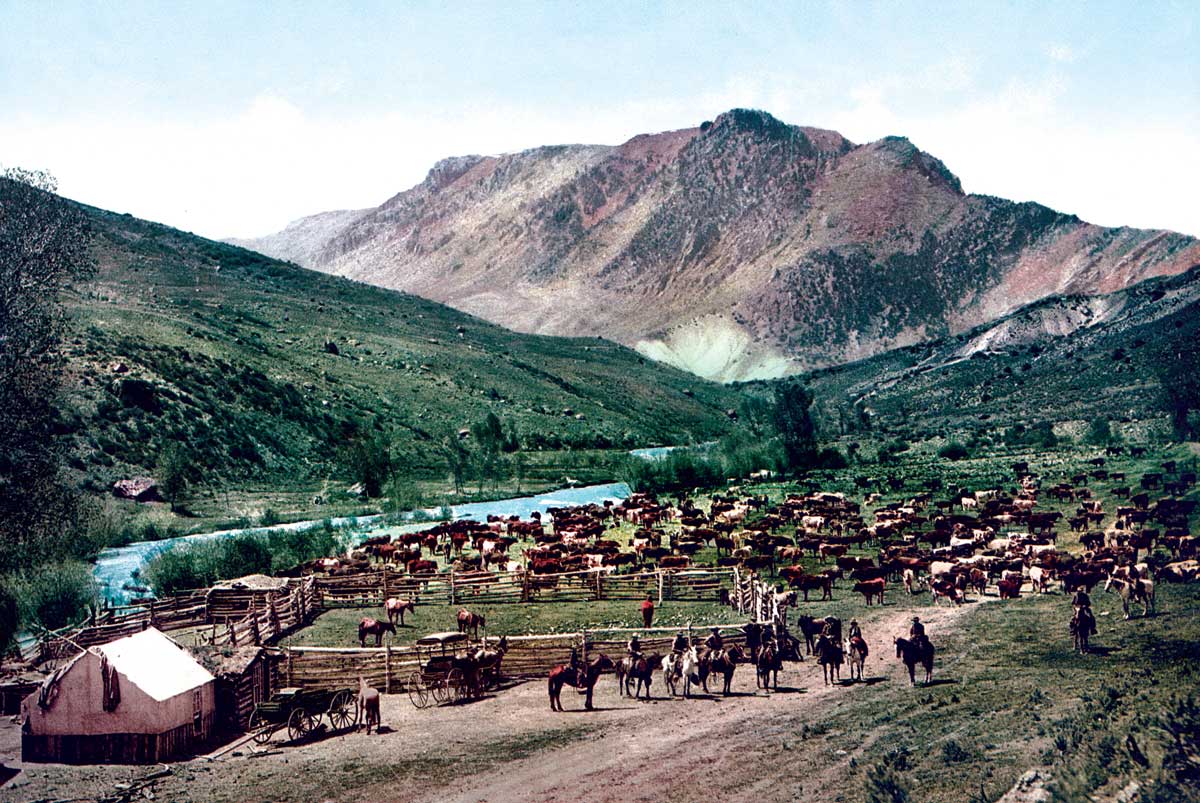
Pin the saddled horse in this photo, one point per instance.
(1083, 627)
(1132, 591)
(376, 628)
(913, 653)
(856, 654)
(470, 621)
(830, 657)
(395, 606)
(723, 663)
(683, 666)
(641, 670)
(584, 679)
(768, 662)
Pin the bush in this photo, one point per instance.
(953, 752)
(953, 451)
(55, 594)
(10, 618)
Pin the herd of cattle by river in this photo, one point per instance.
(1010, 540)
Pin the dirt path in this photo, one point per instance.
(673, 749)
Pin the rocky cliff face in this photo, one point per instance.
(744, 248)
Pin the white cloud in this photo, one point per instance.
(1063, 54)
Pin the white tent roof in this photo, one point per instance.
(155, 664)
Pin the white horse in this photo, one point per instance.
(1132, 591)
(683, 666)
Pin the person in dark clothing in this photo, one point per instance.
(680, 644)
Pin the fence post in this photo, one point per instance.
(599, 587)
(387, 669)
(525, 586)
(453, 591)
(290, 682)
(385, 584)
(583, 649)
(660, 585)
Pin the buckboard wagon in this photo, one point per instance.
(448, 673)
(300, 711)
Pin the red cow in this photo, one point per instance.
(871, 589)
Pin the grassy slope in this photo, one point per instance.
(225, 351)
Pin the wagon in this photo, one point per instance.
(300, 711)
(447, 673)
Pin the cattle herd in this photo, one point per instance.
(967, 540)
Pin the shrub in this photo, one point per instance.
(953, 451)
(55, 594)
(953, 752)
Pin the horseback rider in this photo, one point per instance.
(917, 632)
(854, 630)
(575, 664)
(681, 644)
(714, 642)
(634, 647)
(1081, 599)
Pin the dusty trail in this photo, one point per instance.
(674, 749)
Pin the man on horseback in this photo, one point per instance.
(681, 644)
(714, 642)
(634, 648)
(917, 633)
(1081, 599)
(854, 631)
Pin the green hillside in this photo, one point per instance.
(261, 373)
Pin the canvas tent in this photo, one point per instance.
(139, 699)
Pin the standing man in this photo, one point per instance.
(648, 610)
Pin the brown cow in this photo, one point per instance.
(871, 589)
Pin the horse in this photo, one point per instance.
(641, 670)
(768, 662)
(470, 621)
(564, 675)
(723, 662)
(913, 653)
(396, 607)
(1083, 627)
(368, 703)
(487, 661)
(686, 666)
(830, 657)
(856, 652)
(376, 628)
(1133, 591)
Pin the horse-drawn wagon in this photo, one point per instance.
(300, 711)
(451, 673)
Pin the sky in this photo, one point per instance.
(232, 119)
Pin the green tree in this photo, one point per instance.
(10, 619)
(1099, 432)
(44, 248)
(174, 475)
(368, 461)
(794, 423)
(458, 458)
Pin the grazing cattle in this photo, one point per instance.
(813, 582)
(913, 653)
(978, 580)
(1009, 588)
(831, 550)
(946, 589)
(470, 621)
(376, 628)
(417, 566)
(1182, 571)
(1039, 579)
(368, 703)
(810, 628)
(584, 679)
(871, 589)
(939, 568)
(674, 562)
(394, 606)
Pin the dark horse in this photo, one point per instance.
(830, 657)
(913, 653)
(585, 679)
(376, 628)
(641, 670)
(1083, 627)
(768, 662)
(723, 662)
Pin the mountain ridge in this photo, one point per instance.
(741, 248)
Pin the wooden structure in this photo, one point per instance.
(137, 700)
(246, 676)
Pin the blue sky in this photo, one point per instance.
(234, 118)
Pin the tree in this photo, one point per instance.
(174, 480)
(794, 423)
(1178, 369)
(10, 620)
(1099, 432)
(489, 441)
(44, 248)
(368, 461)
(458, 458)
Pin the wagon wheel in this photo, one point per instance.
(456, 686)
(343, 710)
(299, 725)
(418, 692)
(440, 690)
(261, 727)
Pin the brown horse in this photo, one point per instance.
(856, 653)
(584, 679)
(487, 662)
(768, 663)
(1083, 627)
(368, 703)
(641, 670)
(470, 621)
(830, 657)
(396, 607)
(723, 662)
(376, 628)
(912, 654)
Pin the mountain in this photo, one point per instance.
(743, 248)
(264, 371)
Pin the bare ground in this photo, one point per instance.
(511, 747)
